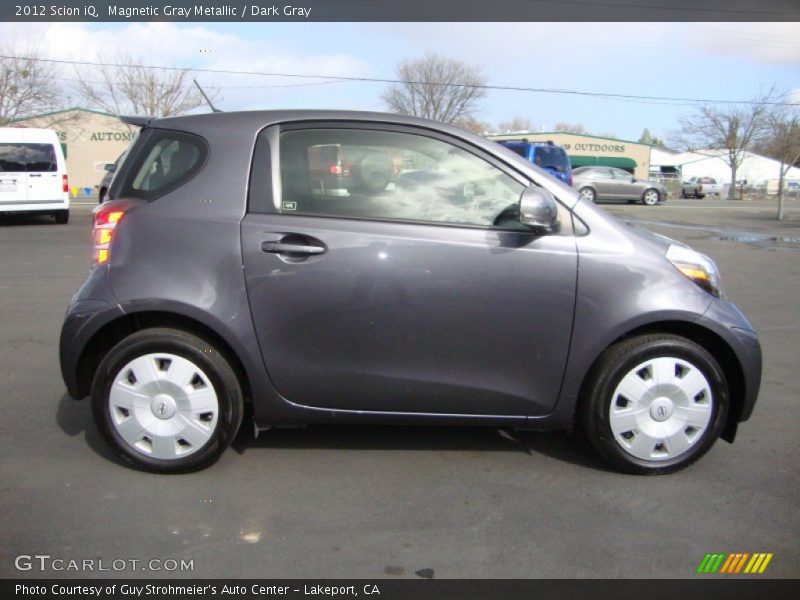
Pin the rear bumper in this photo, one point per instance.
(38, 206)
(84, 318)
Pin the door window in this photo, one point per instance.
(599, 174)
(12, 158)
(370, 174)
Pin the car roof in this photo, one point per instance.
(258, 119)
(245, 125)
(27, 134)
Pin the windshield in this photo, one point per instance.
(550, 157)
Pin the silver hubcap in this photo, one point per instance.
(587, 194)
(660, 409)
(651, 197)
(163, 406)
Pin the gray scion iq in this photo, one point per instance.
(370, 268)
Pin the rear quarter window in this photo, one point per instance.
(164, 161)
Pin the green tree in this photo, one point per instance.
(650, 139)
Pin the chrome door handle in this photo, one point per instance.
(281, 248)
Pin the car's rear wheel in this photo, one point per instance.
(167, 401)
(651, 197)
(654, 404)
(61, 216)
(587, 194)
(699, 196)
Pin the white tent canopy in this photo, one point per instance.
(756, 170)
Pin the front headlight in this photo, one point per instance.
(697, 267)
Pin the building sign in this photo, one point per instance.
(581, 147)
(116, 136)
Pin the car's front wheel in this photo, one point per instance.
(167, 401)
(654, 404)
(651, 197)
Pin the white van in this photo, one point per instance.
(33, 173)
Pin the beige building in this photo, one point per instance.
(590, 150)
(90, 140)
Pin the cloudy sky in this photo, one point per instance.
(731, 61)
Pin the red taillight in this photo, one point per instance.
(335, 170)
(64, 183)
(106, 218)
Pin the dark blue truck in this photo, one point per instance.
(546, 155)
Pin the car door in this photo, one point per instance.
(624, 186)
(44, 182)
(604, 184)
(399, 293)
(13, 178)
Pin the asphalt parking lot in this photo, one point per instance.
(341, 501)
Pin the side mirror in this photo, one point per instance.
(110, 167)
(537, 209)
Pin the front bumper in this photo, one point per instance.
(730, 323)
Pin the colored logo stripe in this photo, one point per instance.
(735, 562)
(758, 563)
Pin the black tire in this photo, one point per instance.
(699, 196)
(201, 353)
(647, 202)
(61, 216)
(604, 377)
(588, 193)
(683, 193)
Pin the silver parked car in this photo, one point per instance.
(608, 183)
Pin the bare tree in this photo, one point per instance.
(726, 133)
(436, 88)
(570, 127)
(127, 87)
(516, 124)
(783, 143)
(472, 124)
(27, 86)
